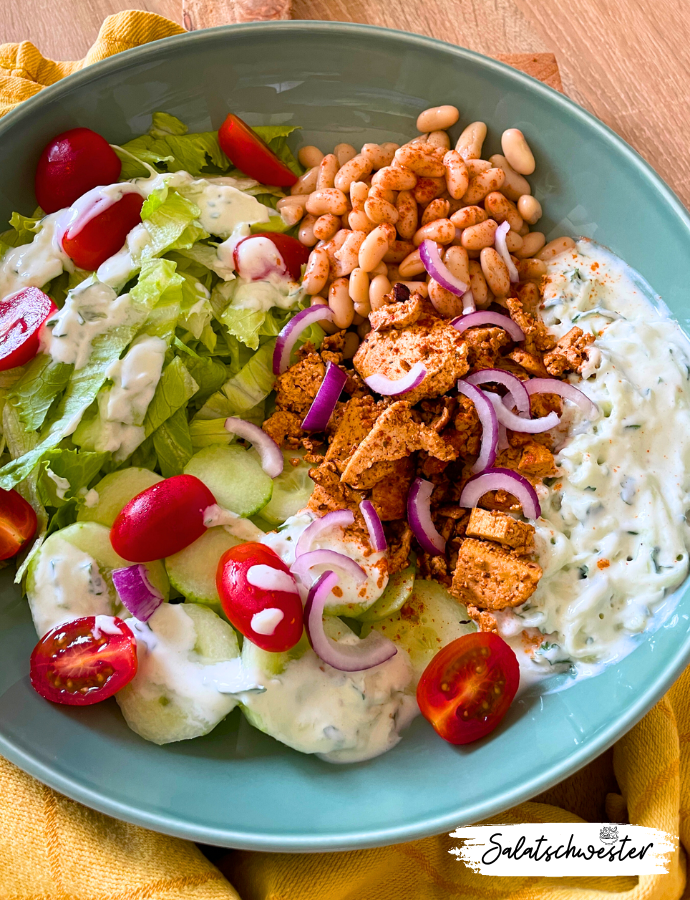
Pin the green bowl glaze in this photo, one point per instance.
(237, 787)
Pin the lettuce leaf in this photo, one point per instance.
(41, 384)
(170, 220)
(156, 277)
(242, 393)
(79, 468)
(276, 138)
(173, 444)
(205, 432)
(173, 392)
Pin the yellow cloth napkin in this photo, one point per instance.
(52, 848)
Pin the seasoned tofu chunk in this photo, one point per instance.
(491, 578)
(492, 525)
(397, 315)
(569, 354)
(296, 388)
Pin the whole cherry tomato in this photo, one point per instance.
(81, 662)
(17, 523)
(21, 316)
(271, 617)
(468, 686)
(162, 520)
(104, 234)
(294, 255)
(251, 154)
(71, 164)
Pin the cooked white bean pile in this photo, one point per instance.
(366, 213)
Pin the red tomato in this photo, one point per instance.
(21, 317)
(162, 520)
(79, 664)
(250, 153)
(294, 254)
(103, 235)
(241, 600)
(71, 164)
(17, 523)
(468, 686)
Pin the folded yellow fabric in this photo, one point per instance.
(52, 848)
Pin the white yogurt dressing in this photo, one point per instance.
(613, 538)
(37, 263)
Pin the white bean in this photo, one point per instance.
(359, 285)
(359, 191)
(442, 231)
(316, 273)
(495, 271)
(514, 185)
(481, 185)
(348, 254)
(471, 141)
(375, 246)
(328, 200)
(380, 210)
(328, 168)
(358, 220)
(408, 215)
(531, 244)
(423, 159)
(411, 265)
(554, 248)
(380, 286)
(292, 214)
(341, 303)
(439, 139)
(530, 209)
(352, 171)
(502, 209)
(306, 232)
(377, 156)
(457, 176)
(344, 153)
(393, 178)
(306, 183)
(437, 118)
(516, 150)
(309, 156)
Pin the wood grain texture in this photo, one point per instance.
(209, 13)
(628, 61)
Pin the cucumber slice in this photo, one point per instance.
(172, 697)
(192, 571)
(70, 576)
(291, 491)
(234, 477)
(430, 619)
(114, 492)
(397, 592)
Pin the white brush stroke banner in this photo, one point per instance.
(563, 850)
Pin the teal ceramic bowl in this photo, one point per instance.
(237, 787)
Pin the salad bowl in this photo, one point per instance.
(237, 787)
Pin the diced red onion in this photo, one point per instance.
(289, 336)
(439, 271)
(419, 517)
(389, 388)
(374, 526)
(137, 593)
(516, 389)
(503, 442)
(518, 423)
(563, 389)
(330, 558)
(339, 518)
(502, 480)
(269, 452)
(468, 303)
(324, 403)
(503, 252)
(489, 423)
(268, 578)
(486, 317)
(365, 654)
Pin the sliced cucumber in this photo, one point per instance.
(172, 697)
(291, 491)
(430, 619)
(70, 576)
(114, 492)
(192, 571)
(234, 476)
(397, 591)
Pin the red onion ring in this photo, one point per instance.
(365, 654)
(439, 271)
(324, 403)
(517, 423)
(374, 526)
(489, 423)
(289, 336)
(268, 578)
(269, 452)
(503, 442)
(389, 388)
(419, 517)
(516, 389)
(137, 593)
(563, 389)
(331, 558)
(486, 317)
(502, 480)
(338, 518)
(503, 252)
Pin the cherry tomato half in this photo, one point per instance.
(468, 686)
(241, 600)
(17, 523)
(80, 663)
(294, 254)
(162, 520)
(103, 235)
(251, 154)
(21, 317)
(71, 164)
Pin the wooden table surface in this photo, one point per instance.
(627, 61)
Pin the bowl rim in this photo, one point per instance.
(163, 821)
